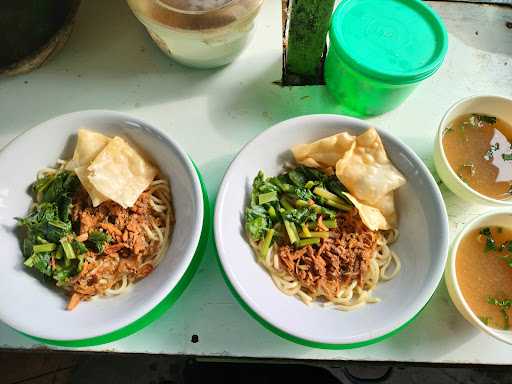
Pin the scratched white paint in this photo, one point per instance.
(111, 63)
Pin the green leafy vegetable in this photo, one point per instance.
(302, 203)
(257, 222)
(311, 173)
(312, 240)
(44, 248)
(300, 216)
(504, 305)
(68, 249)
(260, 186)
(285, 203)
(265, 247)
(50, 246)
(40, 262)
(305, 230)
(57, 189)
(327, 213)
(291, 230)
(484, 119)
(506, 156)
(337, 205)
(97, 240)
(298, 178)
(267, 197)
(291, 201)
(79, 248)
(334, 185)
(282, 183)
(507, 260)
(490, 243)
(448, 129)
(324, 193)
(328, 223)
(485, 319)
(489, 155)
(303, 193)
(486, 231)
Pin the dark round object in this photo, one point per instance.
(31, 30)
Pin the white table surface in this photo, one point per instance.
(111, 63)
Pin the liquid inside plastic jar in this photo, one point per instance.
(199, 33)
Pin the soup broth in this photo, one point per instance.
(479, 150)
(484, 274)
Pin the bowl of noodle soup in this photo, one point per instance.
(172, 207)
(406, 260)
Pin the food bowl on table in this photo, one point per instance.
(492, 106)
(422, 243)
(466, 293)
(38, 309)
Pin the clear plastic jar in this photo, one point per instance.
(198, 33)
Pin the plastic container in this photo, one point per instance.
(198, 33)
(380, 50)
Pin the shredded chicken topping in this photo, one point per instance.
(122, 258)
(325, 268)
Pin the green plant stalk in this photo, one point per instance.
(265, 246)
(46, 247)
(322, 192)
(286, 205)
(310, 241)
(305, 230)
(334, 204)
(267, 197)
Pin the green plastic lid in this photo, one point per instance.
(398, 41)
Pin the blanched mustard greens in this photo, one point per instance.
(287, 206)
(50, 245)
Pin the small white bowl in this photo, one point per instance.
(422, 245)
(501, 217)
(37, 309)
(491, 105)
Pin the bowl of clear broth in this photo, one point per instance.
(479, 273)
(473, 150)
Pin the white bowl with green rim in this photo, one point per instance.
(37, 309)
(422, 246)
(498, 106)
(499, 217)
